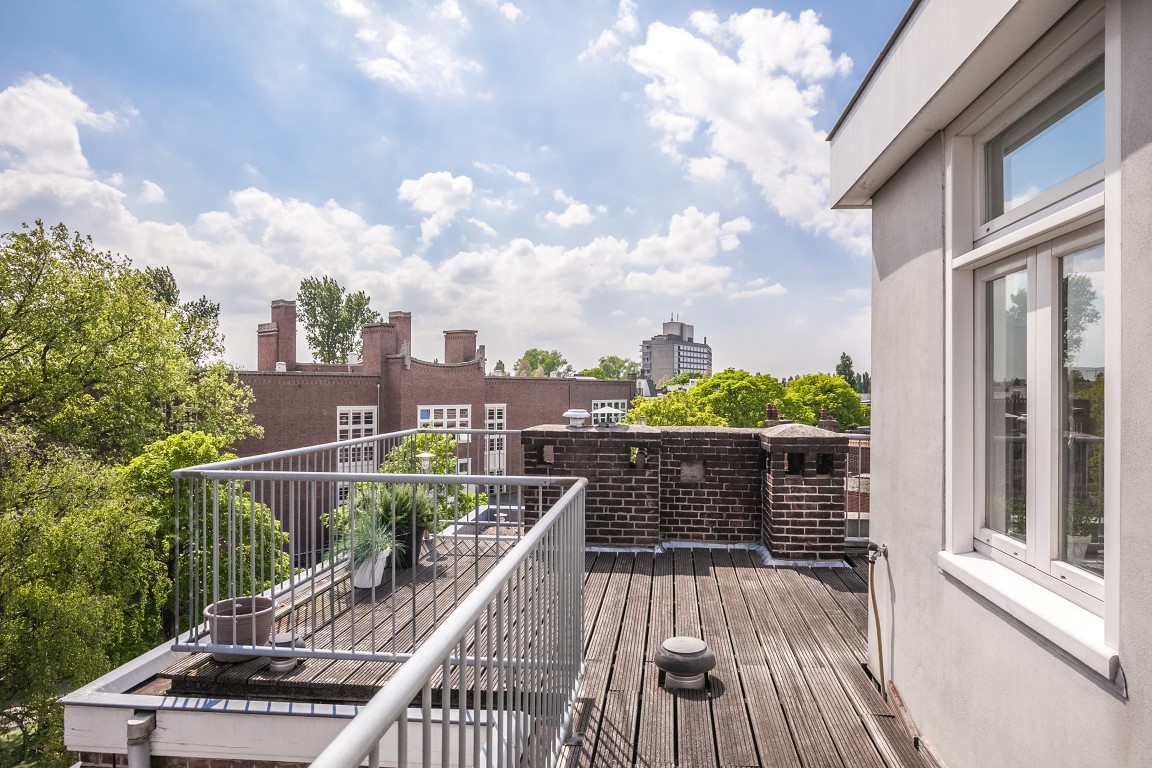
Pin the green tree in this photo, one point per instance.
(539, 363)
(678, 408)
(844, 370)
(452, 500)
(148, 478)
(332, 319)
(199, 320)
(680, 378)
(613, 367)
(86, 353)
(806, 395)
(738, 397)
(80, 584)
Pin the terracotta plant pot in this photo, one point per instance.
(240, 621)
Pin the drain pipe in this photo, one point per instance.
(875, 552)
(140, 727)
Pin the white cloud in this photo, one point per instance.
(757, 288)
(151, 192)
(419, 56)
(709, 169)
(258, 246)
(509, 11)
(754, 85)
(483, 226)
(852, 294)
(440, 194)
(495, 168)
(611, 39)
(115, 179)
(449, 10)
(575, 214)
(39, 127)
(731, 230)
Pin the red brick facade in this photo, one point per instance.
(297, 407)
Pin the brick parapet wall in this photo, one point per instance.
(621, 506)
(710, 484)
(804, 493)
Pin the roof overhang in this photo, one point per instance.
(940, 58)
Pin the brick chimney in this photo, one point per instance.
(772, 416)
(459, 346)
(403, 323)
(276, 341)
(380, 339)
(827, 422)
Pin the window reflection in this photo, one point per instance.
(1059, 139)
(1007, 405)
(1082, 410)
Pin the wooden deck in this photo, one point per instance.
(788, 688)
(395, 617)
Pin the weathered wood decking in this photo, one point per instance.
(788, 688)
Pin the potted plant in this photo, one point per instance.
(1084, 523)
(243, 620)
(369, 543)
(401, 508)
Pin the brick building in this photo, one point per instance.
(301, 404)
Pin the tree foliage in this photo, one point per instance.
(806, 395)
(199, 320)
(80, 583)
(99, 363)
(680, 378)
(860, 382)
(738, 397)
(678, 408)
(613, 367)
(333, 319)
(452, 500)
(539, 363)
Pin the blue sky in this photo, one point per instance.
(554, 174)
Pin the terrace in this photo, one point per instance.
(509, 640)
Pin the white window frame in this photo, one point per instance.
(495, 445)
(443, 417)
(1040, 552)
(1082, 624)
(354, 422)
(599, 420)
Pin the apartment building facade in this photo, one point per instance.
(301, 404)
(673, 351)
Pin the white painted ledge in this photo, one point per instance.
(1077, 631)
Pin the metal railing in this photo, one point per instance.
(857, 486)
(483, 627)
(515, 645)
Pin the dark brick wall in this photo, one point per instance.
(710, 484)
(804, 494)
(704, 484)
(621, 506)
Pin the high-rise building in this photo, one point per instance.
(674, 351)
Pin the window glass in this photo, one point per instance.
(1006, 411)
(1062, 137)
(1082, 410)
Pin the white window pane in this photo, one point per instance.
(1062, 137)
(1082, 410)
(1006, 427)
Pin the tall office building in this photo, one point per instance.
(674, 351)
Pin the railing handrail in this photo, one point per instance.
(364, 733)
(197, 473)
(293, 452)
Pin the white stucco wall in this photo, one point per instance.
(983, 690)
